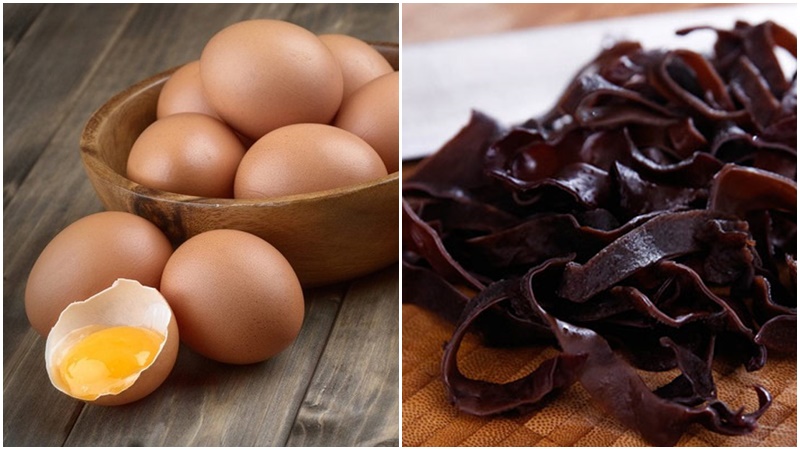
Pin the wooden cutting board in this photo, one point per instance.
(569, 418)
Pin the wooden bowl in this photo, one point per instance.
(327, 236)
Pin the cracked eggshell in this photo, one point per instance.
(125, 303)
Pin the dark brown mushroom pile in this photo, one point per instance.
(647, 221)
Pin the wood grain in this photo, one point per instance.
(17, 18)
(36, 98)
(63, 62)
(351, 407)
(219, 404)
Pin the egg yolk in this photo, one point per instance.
(105, 361)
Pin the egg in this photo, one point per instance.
(235, 297)
(87, 257)
(115, 347)
(373, 114)
(183, 92)
(262, 74)
(187, 153)
(304, 158)
(360, 62)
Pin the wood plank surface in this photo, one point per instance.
(17, 18)
(217, 404)
(45, 75)
(61, 62)
(350, 407)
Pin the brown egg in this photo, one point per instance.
(359, 61)
(235, 297)
(260, 75)
(373, 114)
(183, 92)
(304, 158)
(87, 257)
(187, 153)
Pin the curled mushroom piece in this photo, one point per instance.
(646, 222)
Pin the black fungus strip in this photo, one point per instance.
(668, 235)
(485, 398)
(423, 240)
(646, 222)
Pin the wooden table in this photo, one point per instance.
(570, 420)
(336, 385)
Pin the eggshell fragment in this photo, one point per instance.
(304, 158)
(260, 75)
(87, 257)
(359, 61)
(125, 303)
(235, 297)
(373, 114)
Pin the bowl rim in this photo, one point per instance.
(89, 150)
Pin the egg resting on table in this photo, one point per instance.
(87, 257)
(235, 297)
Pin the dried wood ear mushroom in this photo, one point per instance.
(647, 221)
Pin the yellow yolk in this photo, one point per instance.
(106, 361)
